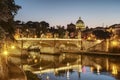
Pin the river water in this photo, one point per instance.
(67, 66)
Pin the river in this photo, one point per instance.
(71, 66)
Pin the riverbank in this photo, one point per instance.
(96, 53)
(87, 53)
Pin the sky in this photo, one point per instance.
(62, 12)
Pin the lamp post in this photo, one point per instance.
(21, 52)
(6, 55)
(107, 45)
(80, 37)
(4, 71)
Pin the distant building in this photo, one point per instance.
(115, 29)
(80, 27)
(80, 24)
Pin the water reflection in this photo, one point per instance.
(68, 66)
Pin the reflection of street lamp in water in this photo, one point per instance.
(114, 70)
(98, 69)
(40, 69)
(47, 78)
(68, 73)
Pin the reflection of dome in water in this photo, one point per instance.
(80, 24)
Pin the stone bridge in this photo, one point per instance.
(56, 45)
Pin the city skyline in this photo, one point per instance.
(62, 12)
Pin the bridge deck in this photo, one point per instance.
(45, 39)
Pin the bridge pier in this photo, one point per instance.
(107, 45)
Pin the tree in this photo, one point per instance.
(44, 26)
(8, 9)
(61, 31)
(71, 28)
(31, 76)
(100, 34)
(18, 22)
(38, 28)
(2, 34)
(8, 28)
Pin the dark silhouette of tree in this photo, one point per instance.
(18, 22)
(30, 24)
(38, 28)
(8, 27)
(31, 76)
(71, 29)
(52, 30)
(61, 31)
(2, 34)
(100, 34)
(44, 26)
(8, 9)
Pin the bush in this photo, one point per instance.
(31, 76)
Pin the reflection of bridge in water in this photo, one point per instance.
(56, 63)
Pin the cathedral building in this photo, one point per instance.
(80, 27)
(80, 24)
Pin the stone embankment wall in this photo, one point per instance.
(3, 68)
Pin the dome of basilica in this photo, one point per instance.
(80, 24)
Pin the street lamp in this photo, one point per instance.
(5, 52)
(114, 43)
(12, 47)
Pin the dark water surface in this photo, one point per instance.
(68, 66)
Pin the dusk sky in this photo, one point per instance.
(62, 12)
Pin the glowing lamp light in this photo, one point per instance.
(47, 78)
(40, 68)
(34, 57)
(98, 69)
(79, 68)
(68, 64)
(89, 38)
(35, 61)
(80, 39)
(27, 30)
(114, 43)
(98, 41)
(114, 70)
(35, 36)
(12, 47)
(91, 69)
(68, 42)
(5, 53)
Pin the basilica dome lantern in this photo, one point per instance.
(80, 24)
